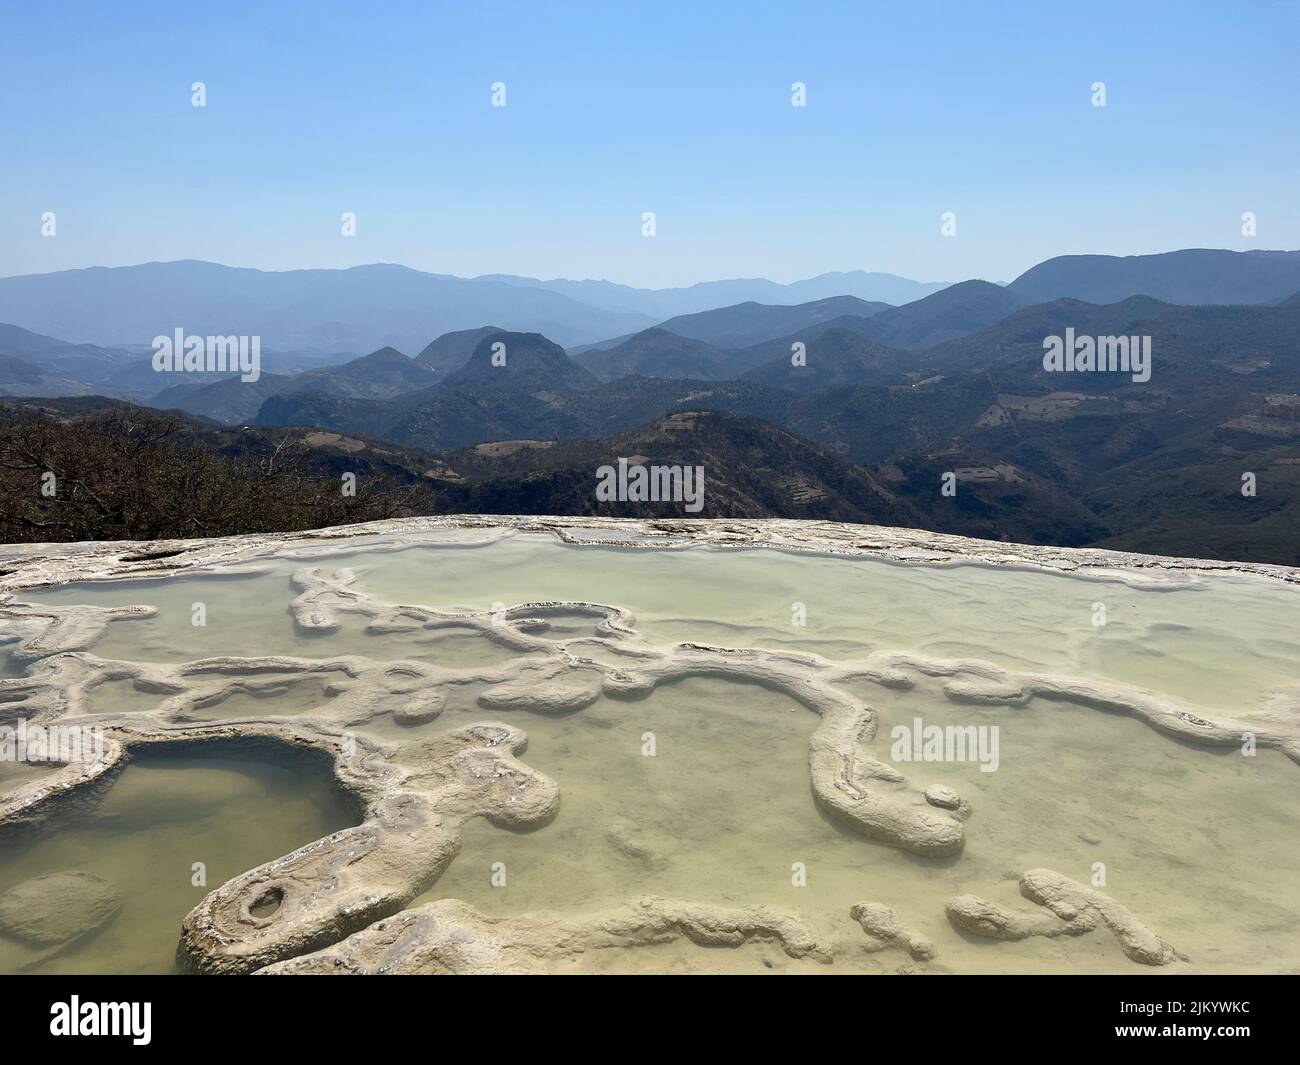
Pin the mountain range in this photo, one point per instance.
(326, 312)
(368, 307)
(836, 407)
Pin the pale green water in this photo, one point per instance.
(1199, 843)
(161, 815)
(1219, 646)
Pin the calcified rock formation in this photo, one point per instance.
(417, 798)
(860, 790)
(45, 630)
(337, 904)
(344, 882)
(1073, 910)
(884, 929)
(450, 937)
(55, 564)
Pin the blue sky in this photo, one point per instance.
(614, 109)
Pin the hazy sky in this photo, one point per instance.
(614, 109)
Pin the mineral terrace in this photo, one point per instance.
(366, 899)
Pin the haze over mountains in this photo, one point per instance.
(369, 307)
(886, 400)
(362, 309)
(1196, 275)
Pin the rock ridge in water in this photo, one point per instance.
(1073, 909)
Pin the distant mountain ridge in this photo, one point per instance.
(363, 308)
(1039, 456)
(452, 350)
(746, 324)
(358, 309)
(323, 314)
(658, 353)
(837, 357)
(1193, 275)
(524, 363)
(952, 312)
(665, 303)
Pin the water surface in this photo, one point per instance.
(1199, 843)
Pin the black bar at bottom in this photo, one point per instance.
(686, 1014)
